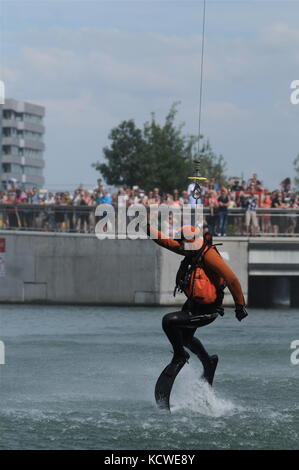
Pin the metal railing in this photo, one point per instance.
(270, 222)
(82, 219)
(47, 218)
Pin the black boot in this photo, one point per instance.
(209, 368)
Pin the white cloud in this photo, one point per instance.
(91, 79)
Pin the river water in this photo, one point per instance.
(83, 378)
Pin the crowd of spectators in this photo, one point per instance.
(74, 211)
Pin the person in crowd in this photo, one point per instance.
(105, 198)
(242, 200)
(164, 200)
(213, 185)
(191, 199)
(84, 215)
(235, 192)
(251, 222)
(292, 217)
(151, 200)
(277, 201)
(236, 186)
(97, 197)
(122, 198)
(11, 184)
(277, 222)
(143, 199)
(135, 195)
(212, 217)
(223, 201)
(50, 199)
(50, 216)
(33, 196)
(286, 185)
(254, 183)
(58, 212)
(99, 185)
(76, 197)
(12, 212)
(176, 199)
(184, 199)
(266, 218)
(205, 189)
(157, 196)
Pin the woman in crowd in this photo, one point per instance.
(266, 218)
(223, 201)
(212, 217)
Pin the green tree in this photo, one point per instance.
(169, 158)
(158, 155)
(125, 156)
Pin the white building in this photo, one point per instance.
(21, 143)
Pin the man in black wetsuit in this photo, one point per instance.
(180, 326)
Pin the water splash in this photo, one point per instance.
(192, 393)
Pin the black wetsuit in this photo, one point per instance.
(180, 327)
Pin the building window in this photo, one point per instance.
(6, 167)
(32, 118)
(7, 114)
(10, 150)
(9, 131)
(32, 171)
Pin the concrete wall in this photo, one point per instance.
(76, 268)
(274, 257)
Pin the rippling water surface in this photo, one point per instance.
(83, 378)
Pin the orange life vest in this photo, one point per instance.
(200, 288)
(193, 280)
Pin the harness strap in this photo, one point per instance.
(197, 261)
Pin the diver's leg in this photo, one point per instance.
(195, 345)
(172, 325)
(209, 362)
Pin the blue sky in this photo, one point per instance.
(94, 63)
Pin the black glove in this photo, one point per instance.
(240, 312)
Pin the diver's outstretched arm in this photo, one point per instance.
(161, 239)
